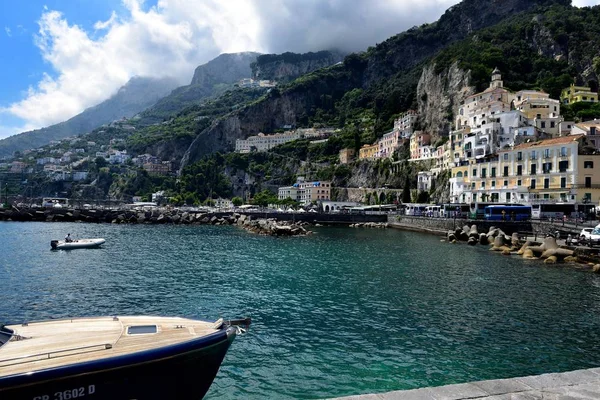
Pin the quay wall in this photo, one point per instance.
(443, 225)
(539, 228)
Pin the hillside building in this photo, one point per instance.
(306, 192)
(552, 170)
(347, 156)
(576, 94)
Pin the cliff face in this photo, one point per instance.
(226, 68)
(439, 95)
(138, 94)
(265, 116)
(210, 79)
(289, 66)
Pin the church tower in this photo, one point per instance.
(496, 79)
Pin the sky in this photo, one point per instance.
(63, 56)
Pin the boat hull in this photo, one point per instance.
(182, 371)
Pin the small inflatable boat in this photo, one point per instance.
(76, 244)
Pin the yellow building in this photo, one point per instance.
(588, 179)
(575, 94)
(553, 170)
(368, 151)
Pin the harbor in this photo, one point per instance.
(337, 313)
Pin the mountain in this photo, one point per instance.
(135, 96)
(286, 67)
(210, 80)
(377, 85)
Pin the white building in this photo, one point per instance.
(425, 181)
(262, 142)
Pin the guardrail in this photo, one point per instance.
(54, 354)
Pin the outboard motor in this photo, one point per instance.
(54, 244)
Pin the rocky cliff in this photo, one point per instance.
(289, 66)
(226, 68)
(439, 95)
(210, 80)
(137, 95)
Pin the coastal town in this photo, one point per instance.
(506, 148)
(338, 200)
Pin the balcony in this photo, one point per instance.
(584, 186)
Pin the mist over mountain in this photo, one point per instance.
(135, 96)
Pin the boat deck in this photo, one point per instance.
(49, 344)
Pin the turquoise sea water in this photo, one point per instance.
(345, 311)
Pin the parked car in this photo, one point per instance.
(586, 233)
(590, 236)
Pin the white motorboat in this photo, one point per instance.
(76, 244)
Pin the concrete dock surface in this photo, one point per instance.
(581, 384)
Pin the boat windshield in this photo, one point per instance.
(5, 335)
(596, 231)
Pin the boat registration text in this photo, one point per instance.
(69, 394)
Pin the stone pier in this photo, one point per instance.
(581, 384)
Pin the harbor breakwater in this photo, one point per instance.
(176, 216)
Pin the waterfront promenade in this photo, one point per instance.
(581, 384)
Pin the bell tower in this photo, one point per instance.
(496, 79)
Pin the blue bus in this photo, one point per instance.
(507, 213)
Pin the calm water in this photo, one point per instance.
(338, 313)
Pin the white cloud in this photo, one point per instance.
(101, 25)
(8, 32)
(175, 36)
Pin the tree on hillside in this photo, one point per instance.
(237, 201)
(264, 198)
(406, 191)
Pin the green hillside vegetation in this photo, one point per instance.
(189, 122)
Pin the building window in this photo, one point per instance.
(563, 183)
(474, 173)
(532, 184)
(519, 182)
(533, 155)
(547, 153)
(588, 164)
(543, 124)
(507, 197)
(505, 172)
(563, 151)
(505, 183)
(519, 156)
(519, 170)
(547, 167)
(563, 166)
(483, 185)
(505, 156)
(546, 183)
(546, 196)
(493, 183)
(588, 181)
(533, 169)
(484, 172)
(552, 123)
(493, 175)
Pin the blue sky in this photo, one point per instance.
(63, 56)
(25, 64)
